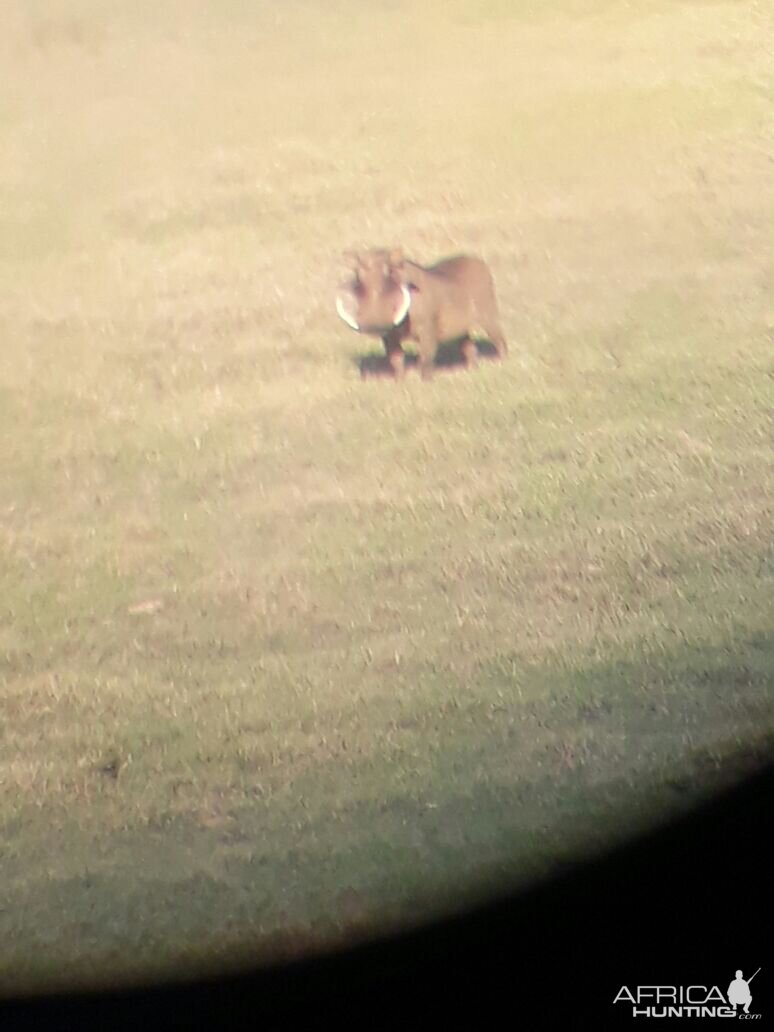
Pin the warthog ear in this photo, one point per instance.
(395, 257)
(395, 261)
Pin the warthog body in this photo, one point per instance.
(398, 300)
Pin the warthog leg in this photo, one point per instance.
(395, 355)
(427, 345)
(497, 337)
(469, 353)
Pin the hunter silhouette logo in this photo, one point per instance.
(690, 1001)
(739, 992)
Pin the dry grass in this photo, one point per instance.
(285, 652)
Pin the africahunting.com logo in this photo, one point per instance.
(690, 1001)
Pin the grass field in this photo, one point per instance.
(287, 656)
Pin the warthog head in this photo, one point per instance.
(376, 298)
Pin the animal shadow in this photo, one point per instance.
(449, 358)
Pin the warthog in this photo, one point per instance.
(397, 300)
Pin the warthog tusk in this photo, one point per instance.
(405, 305)
(345, 314)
